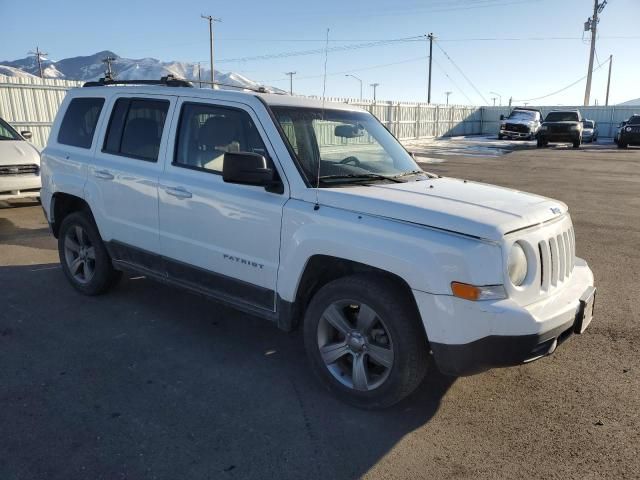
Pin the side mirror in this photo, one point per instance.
(501, 117)
(247, 169)
(26, 134)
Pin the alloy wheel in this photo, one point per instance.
(355, 345)
(79, 254)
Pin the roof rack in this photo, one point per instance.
(168, 81)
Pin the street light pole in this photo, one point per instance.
(359, 80)
(374, 85)
(447, 94)
(211, 19)
(498, 95)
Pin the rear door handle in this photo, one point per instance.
(103, 174)
(178, 192)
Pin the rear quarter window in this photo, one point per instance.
(79, 122)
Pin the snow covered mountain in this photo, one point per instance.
(92, 67)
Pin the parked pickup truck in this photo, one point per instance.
(629, 134)
(521, 123)
(310, 213)
(561, 126)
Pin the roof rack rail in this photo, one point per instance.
(168, 81)
(259, 89)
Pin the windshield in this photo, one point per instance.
(8, 133)
(562, 117)
(587, 123)
(635, 120)
(349, 145)
(523, 115)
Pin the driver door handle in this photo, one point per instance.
(103, 174)
(178, 192)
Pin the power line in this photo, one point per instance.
(562, 89)
(453, 82)
(463, 74)
(317, 51)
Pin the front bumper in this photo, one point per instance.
(547, 136)
(470, 337)
(630, 138)
(512, 134)
(19, 186)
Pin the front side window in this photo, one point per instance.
(79, 122)
(7, 132)
(348, 145)
(207, 132)
(135, 128)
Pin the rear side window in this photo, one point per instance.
(135, 128)
(79, 122)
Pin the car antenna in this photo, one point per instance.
(324, 91)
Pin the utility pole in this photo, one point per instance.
(510, 101)
(199, 77)
(359, 80)
(39, 54)
(447, 94)
(606, 102)
(494, 101)
(592, 24)
(211, 21)
(499, 97)
(374, 85)
(109, 73)
(291, 74)
(430, 37)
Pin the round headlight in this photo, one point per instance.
(628, 129)
(517, 265)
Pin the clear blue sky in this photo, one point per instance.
(524, 69)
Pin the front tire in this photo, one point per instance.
(83, 256)
(576, 143)
(621, 144)
(365, 341)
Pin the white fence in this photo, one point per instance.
(32, 103)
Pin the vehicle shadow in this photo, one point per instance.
(12, 234)
(150, 381)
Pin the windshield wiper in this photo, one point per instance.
(416, 172)
(360, 176)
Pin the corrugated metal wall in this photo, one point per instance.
(607, 118)
(32, 103)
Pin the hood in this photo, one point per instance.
(16, 152)
(565, 122)
(471, 208)
(518, 121)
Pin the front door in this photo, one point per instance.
(220, 237)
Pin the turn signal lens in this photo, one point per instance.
(474, 293)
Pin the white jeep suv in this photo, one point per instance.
(309, 213)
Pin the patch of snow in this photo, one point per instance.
(14, 72)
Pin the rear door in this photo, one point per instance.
(122, 182)
(220, 237)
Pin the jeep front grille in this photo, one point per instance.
(27, 169)
(557, 259)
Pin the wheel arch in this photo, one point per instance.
(319, 270)
(63, 204)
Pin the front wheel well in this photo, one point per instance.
(322, 269)
(63, 204)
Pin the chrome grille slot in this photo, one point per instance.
(554, 261)
(25, 169)
(545, 264)
(561, 258)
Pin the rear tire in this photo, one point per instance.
(541, 143)
(576, 144)
(365, 340)
(83, 256)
